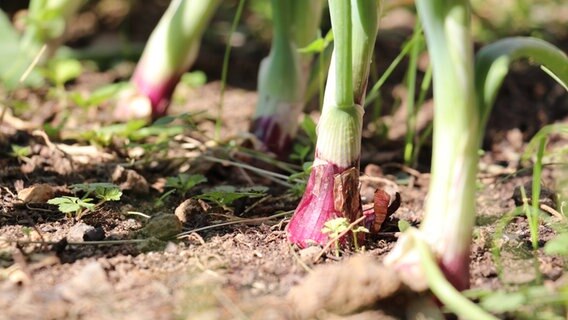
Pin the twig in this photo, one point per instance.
(197, 237)
(254, 205)
(343, 233)
(24, 76)
(53, 147)
(39, 209)
(136, 213)
(246, 176)
(404, 168)
(552, 211)
(34, 226)
(103, 242)
(298, 259)
(241, 221)
(33, 64)
(276, 177)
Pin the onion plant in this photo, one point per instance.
(283, 74)
(332, 188)
(46, 22)
(462, 101)
(45, 25)
(171, 49)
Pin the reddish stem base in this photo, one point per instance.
(269, 131)
(456, 271)
(315, 208)
(160, 95)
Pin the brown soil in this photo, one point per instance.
(220, 273)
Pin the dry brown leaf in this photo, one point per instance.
(38, 193)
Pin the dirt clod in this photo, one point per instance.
(78, 232)
(357, 284)
(128, 179)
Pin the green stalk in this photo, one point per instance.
(332, 188)
(410, 139)
(47, 22)
(533, 216)
(225, 69)
(492, 64)
(421, 138)
(305, 21)
(444, 290)
(374, 92)
(450, 207)
(45, 25)
(340, 11)
(170, 51)
(364, 17)
(283, 75)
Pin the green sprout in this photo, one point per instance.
(334, 228)
(101, 191)
(20, 152)
(224, 196)
(184, 182)
(338, 226)
(73, 205)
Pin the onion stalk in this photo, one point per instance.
(47, 22)
(492, 63)
(332, 188)
(463, 99)
(450, 206)
(283, 74)
(171, 49)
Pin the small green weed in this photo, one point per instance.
(73, 205)
(78, 207)
(335, 227)
(184, 182)
(224, 196)
(20, 152)
(99, 95)
(61, 71)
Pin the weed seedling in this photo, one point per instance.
(333, 228)
(102, 191)
(336, 228)
(224, 196)
(73, 205)
(21, 152)
(184, 182)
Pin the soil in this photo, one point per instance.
(52, 267)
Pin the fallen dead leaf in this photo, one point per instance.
(38, 193)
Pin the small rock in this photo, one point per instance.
(38, 193)
(128, 179)
(151, 244)
(547, 196)
(78, 231)
(91, 281)
(171, 247)
(309, 254)
(96, 234)
(373, 170)
(163, 227)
